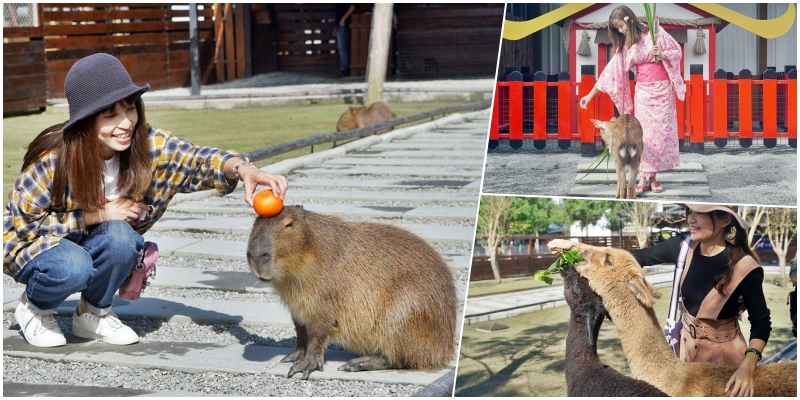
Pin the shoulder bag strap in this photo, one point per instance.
(673, 302)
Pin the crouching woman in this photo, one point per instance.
(88, 190)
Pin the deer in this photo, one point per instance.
(623, 138)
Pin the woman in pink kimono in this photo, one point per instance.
(657, 84)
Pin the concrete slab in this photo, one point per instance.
(443, 212)
(420, 153)
(399, 145)
(459, 162)
(376, 171)
(215, 249)
(236, 226)
(308, 182)
(339, 210)
(294, 195)
(611, 190)
(666, 178)
(193, 357)
(16, 389)
(192, 278)
(167, 246)
(683, 167)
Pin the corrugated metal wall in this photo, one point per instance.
(737, 48)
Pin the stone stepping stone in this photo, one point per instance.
(682, 167)
(340, 210)
(380, 170)
(611, 191)
(478, 154)
(401, 145)
(405, 162)
(666, 177)
(193, 357)
(410, 183)
(383, 195)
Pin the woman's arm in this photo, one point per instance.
(742, 382)
(252, 176)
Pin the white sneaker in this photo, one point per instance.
(38, 326)
(107, 328)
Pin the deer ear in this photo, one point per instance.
(644, 291)
(598, 123)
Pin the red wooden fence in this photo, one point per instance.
(529, 107)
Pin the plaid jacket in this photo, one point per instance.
(33, 224)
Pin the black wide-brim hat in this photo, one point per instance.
(94, 83)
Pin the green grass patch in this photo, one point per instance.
(528, 360)
(243, 130)
(478, 288)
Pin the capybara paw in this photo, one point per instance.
(306, 365)
(367, 363)
(293, 356)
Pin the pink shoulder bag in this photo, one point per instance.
(144, 269)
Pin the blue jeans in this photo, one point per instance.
(343, 43)
(96, 267)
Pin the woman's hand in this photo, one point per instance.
(559, 244)
(658, 54)
(742, 381)
(252, 176)
(121, 209)
(585, 101)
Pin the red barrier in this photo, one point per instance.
(711, 111)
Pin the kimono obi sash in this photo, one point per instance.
(651, 72)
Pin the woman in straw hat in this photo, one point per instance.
(88, 189)
(721, 278)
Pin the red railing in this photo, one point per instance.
(530, 107)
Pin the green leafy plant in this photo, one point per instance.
(604, 156)
(564, 257)
(650, 15)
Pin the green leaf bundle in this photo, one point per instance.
(565, 257)
(650, 16)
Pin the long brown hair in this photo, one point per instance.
(736, 237)
(635, 29)
(80, 166)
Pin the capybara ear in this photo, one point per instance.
(640, 289)
(598, 123)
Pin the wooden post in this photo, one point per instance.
(745, 108)
(791, 117)
(539, 110)
(585, 127)
(769, 103)
(515, 110)
(698, 108)
(379, 38)
(720, 108)
(219, 41)
(564, 110)
(194, 53)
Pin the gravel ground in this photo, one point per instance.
(755, 176)
(207, 383)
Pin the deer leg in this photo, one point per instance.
(620, 180)
(633, 169)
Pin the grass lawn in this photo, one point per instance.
(486, 287)
(528, 360)
(242, 130)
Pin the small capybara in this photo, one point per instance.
(359, 117)
(376, 289)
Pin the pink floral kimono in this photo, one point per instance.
(654, 100)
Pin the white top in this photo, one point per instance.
(110, 180)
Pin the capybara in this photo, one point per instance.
(376, 289)
(359, 117)
(623, 138)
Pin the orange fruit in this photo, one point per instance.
(266, 205)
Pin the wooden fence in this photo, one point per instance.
(529, 107)
(151, 41)
(525, 263)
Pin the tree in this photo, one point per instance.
(781, 229)
(532, 215)
(640, 214)
(589, 212)
(493, 225)
(753, 215)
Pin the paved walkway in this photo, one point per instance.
(424, 178)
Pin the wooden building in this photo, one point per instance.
(236, 40)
